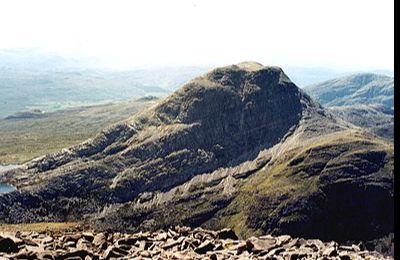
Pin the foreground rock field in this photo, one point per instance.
(174, 243)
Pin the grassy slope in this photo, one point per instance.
(293, 177)
(39, 227)
(24, 139)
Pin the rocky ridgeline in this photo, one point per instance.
(174, 243)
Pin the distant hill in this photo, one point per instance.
(364, 99)
(22, 90)
(357, 89)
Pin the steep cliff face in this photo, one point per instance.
(224, 150)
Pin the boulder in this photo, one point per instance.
(205, 247)
(227, 233)
(8, 245)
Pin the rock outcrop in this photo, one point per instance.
(239, 147)
(173, 243)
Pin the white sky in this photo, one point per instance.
(354, 34)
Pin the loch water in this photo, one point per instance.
(5, 187)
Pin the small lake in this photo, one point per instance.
(5, 187)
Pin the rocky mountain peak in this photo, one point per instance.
(250, 72)
(250, 65)
(244, 91)
(238, 108)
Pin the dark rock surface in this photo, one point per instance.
(175, 243)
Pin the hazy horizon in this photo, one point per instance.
(338, 35)
(35, 55)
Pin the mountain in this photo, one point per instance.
(357, 89)
(240, 146)
(364, 99)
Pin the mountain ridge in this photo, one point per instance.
(359, 88)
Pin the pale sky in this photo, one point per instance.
(352, 34)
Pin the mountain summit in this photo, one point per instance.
(241, 147)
